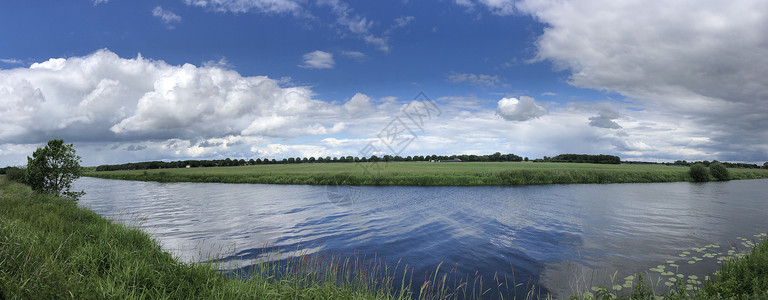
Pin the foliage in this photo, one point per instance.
(53, 168)
(16, 174)
(719, 171)
(699, 172)
(586, 158)
(745, 278)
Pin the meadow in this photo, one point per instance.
(425, 174)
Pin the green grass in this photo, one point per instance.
(745, 278)
(52, 249)
(425, 174)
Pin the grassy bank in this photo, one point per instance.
(425, 174)
(52, 249)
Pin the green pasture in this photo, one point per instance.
(425, 173)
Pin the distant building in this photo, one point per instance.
(188, 166)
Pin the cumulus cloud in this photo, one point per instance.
(358, 105)
(102, 97)
(318, 60)
(167, 16)
(703, 63)
(512, 109)
(474, 79)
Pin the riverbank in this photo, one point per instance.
(425, 174)
(51, 249)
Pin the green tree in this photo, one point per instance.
(699, 172)
(53, 168)
(719, 171)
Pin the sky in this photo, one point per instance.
(141, 80)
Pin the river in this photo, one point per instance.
(563, 238)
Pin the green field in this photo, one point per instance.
(425, 174)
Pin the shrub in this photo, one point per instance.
(719, 171)
(16, 174)
(699, 172)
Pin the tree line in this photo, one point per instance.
(228, 162)
(582, 158)
(706, 163)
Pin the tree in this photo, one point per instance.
(699, 172)
(53, 168)
(719, 171)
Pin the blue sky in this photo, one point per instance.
(201, 79)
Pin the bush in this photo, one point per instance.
(53, 168)
(16, 174)
(719, 171)
(699, 172)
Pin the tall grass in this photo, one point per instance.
(424, 174)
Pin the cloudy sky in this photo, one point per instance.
(146, 80)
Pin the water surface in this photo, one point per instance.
(562, 237)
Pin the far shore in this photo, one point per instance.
(425, 174)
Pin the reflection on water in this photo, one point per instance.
(561, 236)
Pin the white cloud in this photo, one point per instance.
(102, 97)
(355, 23)
(512, 109)
(500, 7)
(358, 105)
(356, 55)
(703, 62)
(403, 21)
(482, 80)
(318, 60)
(241, 6)
(167, 16)
(11, 61)
(497, 7)
(466, 3)
(97, 2)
